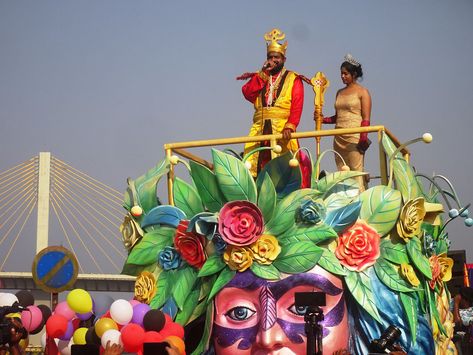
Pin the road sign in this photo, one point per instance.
(55, 269)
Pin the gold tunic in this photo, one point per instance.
(277, 114)
(348, 109)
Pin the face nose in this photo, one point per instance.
(271, 338)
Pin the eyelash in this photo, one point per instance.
(299, 311)
(232, 313)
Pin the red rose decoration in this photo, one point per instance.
(358, 247)
(240, 223)
(190, 245)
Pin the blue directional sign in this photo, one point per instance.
(55, 269)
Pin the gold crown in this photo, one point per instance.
(272, 38)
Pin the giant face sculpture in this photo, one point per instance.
(256, 316)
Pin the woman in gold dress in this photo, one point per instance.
(352, 109)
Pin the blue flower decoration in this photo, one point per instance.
(311, 212)
(219, 244)
(169, 258)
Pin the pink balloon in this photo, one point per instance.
(64, 310)
(31, 318)
(134, 302)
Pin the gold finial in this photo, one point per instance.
(272, 38)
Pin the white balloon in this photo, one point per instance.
(7, 299)
(121, 311)
(43, 340)
(113, 336)
(64, 346)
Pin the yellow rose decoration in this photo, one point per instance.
(410, 219)
(238, 258)
(446, 265)
(409, 274)
(131, 232)
(145, 287)
(265, 249)
(441, 267)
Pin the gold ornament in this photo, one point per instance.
(131, 232)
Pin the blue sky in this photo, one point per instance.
(103, 85)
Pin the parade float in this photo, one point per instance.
(281, 258)
(229, 252)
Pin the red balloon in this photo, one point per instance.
(172, 329)
(133, 337)
(153, 337)
(56, 326)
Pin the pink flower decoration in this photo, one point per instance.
(240, 223)
(358, 247)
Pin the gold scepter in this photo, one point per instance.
(319, 84)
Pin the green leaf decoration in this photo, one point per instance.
(389, 276)
(359, 285)
(163, 288)
(198, 310)
(298, 257)
(406, 181)
(207, 186)
(348, 188)
(380, 208)
(395, 253)
(267, 272)
(146, 251)
(135, 270)
(434, 310)
(225, 276)
(316, 234)
(146, 186)
(213, 265)
(183, 283)
(442, 247)
(267, 197)
(329, 262)
(285, 178)
(414, 250)
(285, 213)
(186, 198)
(204, 340)
(189, 306)
(408, 301)
(331, 180)
(234, 179)
(336, 201)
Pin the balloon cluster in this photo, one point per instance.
(33, 318)
(128, 323)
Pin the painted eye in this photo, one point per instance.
(240, 313)
(298, 310)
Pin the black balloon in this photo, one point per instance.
(25, 298)
(154, 320)
(91, 337)
(39, 328)
(46, 311)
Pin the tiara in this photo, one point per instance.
(349, 58)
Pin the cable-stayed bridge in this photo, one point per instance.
(44, 201)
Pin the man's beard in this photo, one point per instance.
(277, 69)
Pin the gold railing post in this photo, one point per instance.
(170, 177)
(382, 159)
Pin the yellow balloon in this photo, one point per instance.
(79, 336)
(23, 343)
(13, 315)
(104, 324)
(79, 301)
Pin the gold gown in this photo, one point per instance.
(348, 109)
